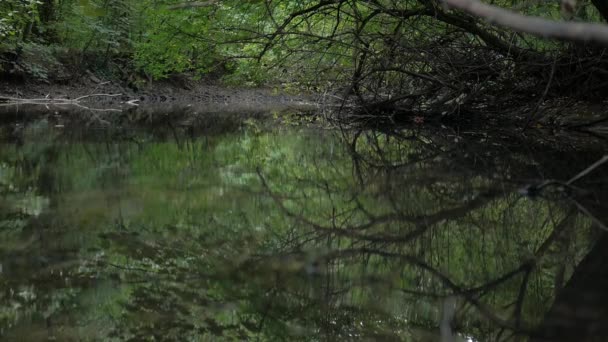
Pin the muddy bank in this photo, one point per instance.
(206, 103)
(161, 97)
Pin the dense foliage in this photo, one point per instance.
(407, 56)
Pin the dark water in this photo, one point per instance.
(298, 233)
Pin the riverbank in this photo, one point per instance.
(186, 102)
(210, 96)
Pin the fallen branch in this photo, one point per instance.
(46, 101)
(570, 31)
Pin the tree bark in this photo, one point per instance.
(580, 310)
(548, 28)
(602, 7)
(47, 11)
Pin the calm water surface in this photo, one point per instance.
(293, 233)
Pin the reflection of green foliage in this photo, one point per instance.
(185, 241)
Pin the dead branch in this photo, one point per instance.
(570, 31)
(47, 101)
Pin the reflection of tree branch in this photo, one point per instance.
(422, 222)
(384, 163)
(559, 228)
(445, 280)
(521, 296)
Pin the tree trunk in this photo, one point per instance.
(47, 11)
(602, 7)
(580, 310)
(47, 15)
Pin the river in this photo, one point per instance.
(299, 231)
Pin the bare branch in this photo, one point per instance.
(570, 31)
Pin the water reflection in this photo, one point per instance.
(296, 234)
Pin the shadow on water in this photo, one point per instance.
(292, 233)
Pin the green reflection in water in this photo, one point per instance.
(284, 234)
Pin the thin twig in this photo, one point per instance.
(588, 170)
(591, 216)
